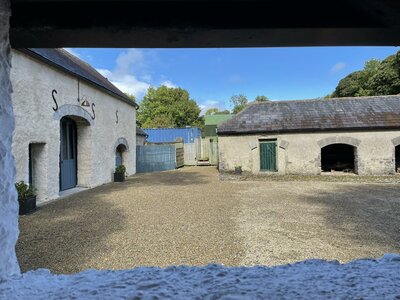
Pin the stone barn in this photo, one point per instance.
(141, 136)
(358, 135)
(72, 126)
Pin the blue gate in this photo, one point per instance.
(152, 158)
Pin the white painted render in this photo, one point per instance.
(300, 153)
(8, 196)
(37, 123)
(140, 140)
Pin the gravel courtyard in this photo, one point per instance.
(190, 217)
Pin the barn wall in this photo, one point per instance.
(37, 122)
(300, 153)
(140, 140)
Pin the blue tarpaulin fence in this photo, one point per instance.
(152, 158)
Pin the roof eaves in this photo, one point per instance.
(302, 130)
(57, 66)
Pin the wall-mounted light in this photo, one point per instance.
(84, 102)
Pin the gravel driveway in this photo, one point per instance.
(188, 216)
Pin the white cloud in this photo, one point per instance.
(131, 75)
(129, 84)
(72, 51)
(122, 76)
(146, 77)
(106, 73)
(168, 84)
(205, 105)
(127, 60)
(338, 67)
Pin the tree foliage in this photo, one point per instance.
(261, 98)
(239, 102)
(216, 111)
(130, 96)
(377, 78)
(386, 81)
(168, 107)
(211, 111)
(223, 112)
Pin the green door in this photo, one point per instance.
(268, 156)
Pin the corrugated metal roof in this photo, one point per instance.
(216, 119)
(160, 135)
(378, 112)
(60, 58)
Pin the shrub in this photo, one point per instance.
(120, 169)
(25, 190)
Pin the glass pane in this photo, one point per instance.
(64, 153)
(71, 141)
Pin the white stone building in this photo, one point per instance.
(141, 136)
(72, 126)
(359, 135)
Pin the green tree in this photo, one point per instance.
(351, 86)
(386, 80)
(130, 96)
(211, 111)
(358, 83)
(168, 107)
(377, 78)
(216, 111)
(261, 98)
(239, 102)
(223, 112)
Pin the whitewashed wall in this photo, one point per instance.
(36, 122)
(8, 196)
(301, 153)
(140, 140)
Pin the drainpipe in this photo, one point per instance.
(8, 196)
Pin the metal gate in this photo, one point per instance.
(153, 158)
(268, 156)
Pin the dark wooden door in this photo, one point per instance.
(268, 156)
(68, 154)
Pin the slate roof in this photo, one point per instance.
(140, 131)
(69, 63)
(356, 113)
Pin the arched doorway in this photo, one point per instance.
(119, 155)
(338, 157)
(68, 154)
(397, 158)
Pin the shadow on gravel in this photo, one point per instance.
(181, 177)
(366, 214)
(61, 237)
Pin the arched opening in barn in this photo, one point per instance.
(339, 158)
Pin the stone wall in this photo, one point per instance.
(8, 199)
(140, 140)
(37, 122)
(301, 153)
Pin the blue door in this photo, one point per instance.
(118, 157)
(68, 153)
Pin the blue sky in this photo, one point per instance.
(212, 76)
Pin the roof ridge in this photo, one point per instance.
(318, 114)
(321, 99)
(67, 62)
